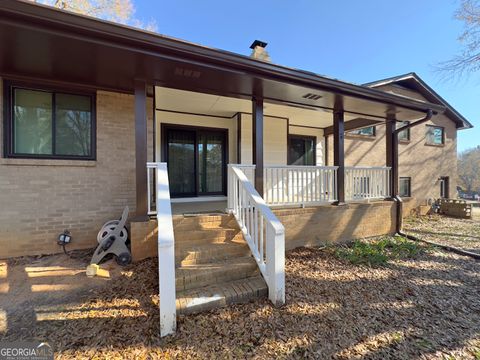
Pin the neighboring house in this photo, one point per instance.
(88, 103)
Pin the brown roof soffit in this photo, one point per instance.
(135, 40)
(423, 88)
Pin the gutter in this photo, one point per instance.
(399, 202)
(104, 33)
(396, 197)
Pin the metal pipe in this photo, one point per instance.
(396, 197)
(429, 115)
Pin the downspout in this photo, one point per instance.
(399, 202)
(396, 197)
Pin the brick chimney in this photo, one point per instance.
(258, 50)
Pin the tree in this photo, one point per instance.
(469, 59)
(469, 169)
(121, 11)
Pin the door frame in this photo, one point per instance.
(445, 182)
(172, 126)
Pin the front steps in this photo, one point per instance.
(214, 266)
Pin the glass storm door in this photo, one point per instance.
(196, 162)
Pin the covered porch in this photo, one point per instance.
(202, 137)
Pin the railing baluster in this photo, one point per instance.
(270, 252)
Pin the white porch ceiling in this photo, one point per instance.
(200, 103)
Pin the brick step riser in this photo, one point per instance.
(206, 226)
(186, 241)
(200, 280)
(205, 222)
(201, 257)
(230, 293)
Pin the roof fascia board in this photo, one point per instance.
(449, 108)
(156, 45)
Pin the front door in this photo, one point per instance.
(196, 159)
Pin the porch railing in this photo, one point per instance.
(364, 183)
(300, 185)
(262, 230)
(166, 250)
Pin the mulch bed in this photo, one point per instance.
(460, 233)
(427, 308)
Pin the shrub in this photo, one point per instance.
(379, 251)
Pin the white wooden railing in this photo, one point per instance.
(364, 183)
(300, 185)
(166, 247)
(248, 170)
(262, 230)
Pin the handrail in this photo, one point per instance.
(166, 249)
(263, 232)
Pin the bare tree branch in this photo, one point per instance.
(468, 61)
(121, 11)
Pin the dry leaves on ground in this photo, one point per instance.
(424, 308)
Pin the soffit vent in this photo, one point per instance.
(311, 96)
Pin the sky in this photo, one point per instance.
(355, 41)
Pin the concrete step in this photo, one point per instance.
(220, 295)
(198, 275)
(201, 254)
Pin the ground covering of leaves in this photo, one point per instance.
(425, 307)
(460, 233)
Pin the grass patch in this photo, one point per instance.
(379, 252)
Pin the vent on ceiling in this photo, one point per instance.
(187, 73)
(311, 96)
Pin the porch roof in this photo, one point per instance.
(39, 42)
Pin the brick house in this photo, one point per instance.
(296, 158)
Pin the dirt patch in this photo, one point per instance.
(29, 283)
(425, 308)
(461, 233)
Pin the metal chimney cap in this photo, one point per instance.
(260, 43)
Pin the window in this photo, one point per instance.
(49, 124)
(367, 131)
(301, 150)
(404, 186)
(405, 134)
(435, 135)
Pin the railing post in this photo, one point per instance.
(166, 253)
(275, 266)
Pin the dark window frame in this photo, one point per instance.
(354, 134)
(409, 186)
(426, 135)
(445, 190)
(407, 139)
(8, 136)
(302, 137)
(225, 155)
